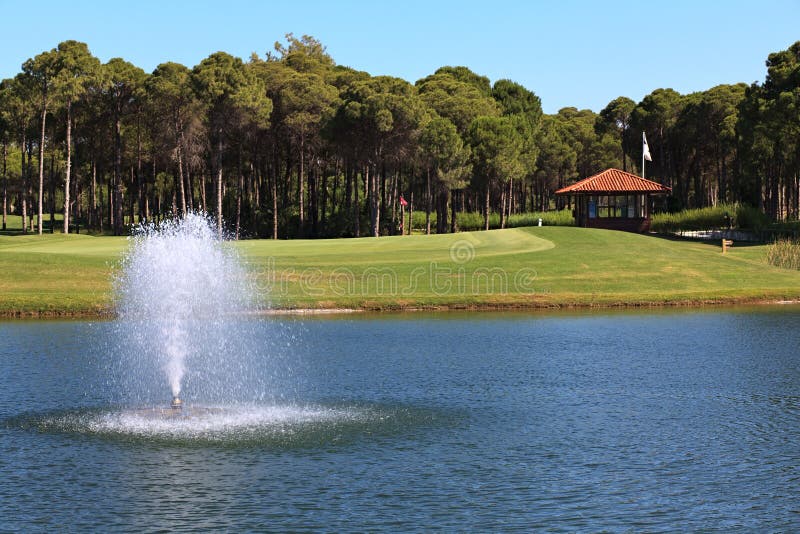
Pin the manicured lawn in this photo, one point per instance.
(547, 266)
(57, 274)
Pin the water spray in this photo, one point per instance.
(177, 285)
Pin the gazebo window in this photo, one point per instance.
(616, 206)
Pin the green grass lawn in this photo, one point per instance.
(547, 266)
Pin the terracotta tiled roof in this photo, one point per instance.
(614, 180)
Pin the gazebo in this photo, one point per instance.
(613, 199)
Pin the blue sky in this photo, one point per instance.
(570, 53)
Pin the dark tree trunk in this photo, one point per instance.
(356, 211)
(5, 183)
(239, 191)
(110, 194)
(52, 193)
(324, 187)
(274, 186)
(132, 202)
(348, 184)
(441, 212)
(428, 206)
(503, 198)
(190, 193)
(411, 213)
(93, 196)
(453, 209)
(77, 204)
(373, 201)
(383, 197)
(313, 195)
(301, 192)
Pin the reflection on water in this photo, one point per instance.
(656, 421)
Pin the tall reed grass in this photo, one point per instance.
(784, 253)
(710, 218)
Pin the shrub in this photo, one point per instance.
(469, 221)
(709, 218)
(549, 218)
(750, 218)
(784, 253)
(419, 220)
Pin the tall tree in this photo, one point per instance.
(449, 158)
(556, 162)
(75, 68)
(19, 110)
(42, 70)
(306, 101)
(616, 117)
(252, 111)
(656, 115)
(5, 131)
(525, 109)
(124, 83)
(173, 99)
(386, 114)
(460, 96)
(222, 83)
(496, 148)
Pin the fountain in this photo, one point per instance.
(179, 296)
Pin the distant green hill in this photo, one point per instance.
(521, 267)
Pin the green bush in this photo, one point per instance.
(419, 220)
(784, 253)
(751, 218)
(549, 218)
(469, 221)
(710, 218)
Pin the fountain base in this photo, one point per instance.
(176, 404)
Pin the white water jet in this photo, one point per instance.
(178, 297)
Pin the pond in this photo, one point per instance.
(685, 420)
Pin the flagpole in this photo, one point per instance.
(645, 154)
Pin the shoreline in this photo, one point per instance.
(444, 308)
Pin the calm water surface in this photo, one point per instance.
(618, 421)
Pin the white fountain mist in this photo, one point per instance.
(185, 329)
(180, 296)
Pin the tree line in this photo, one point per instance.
(293, 145)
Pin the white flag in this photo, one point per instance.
(645, 148)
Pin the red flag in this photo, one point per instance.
(403, 201)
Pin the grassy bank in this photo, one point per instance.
(526, 267)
